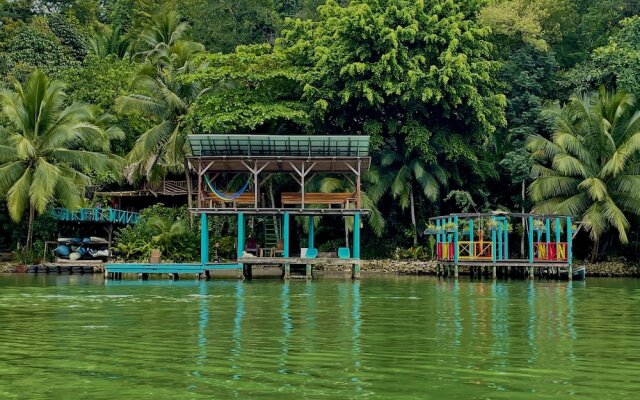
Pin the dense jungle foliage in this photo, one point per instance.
(471, 105)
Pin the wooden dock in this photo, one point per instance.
(115, 270)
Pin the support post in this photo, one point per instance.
(311, 228)
(356, 236)
(308, 271)
(570, 248)
(204, 239)
(530, 237)
(285, 234)
(438, 238)
(472, 250)
(240, 235)
(356, 246)
(547, 233)
(530, 222)
(455, 247)
(505, 253)
(499, 239)
(493, 243)
(285, 251)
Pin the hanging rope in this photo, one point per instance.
(223, 196)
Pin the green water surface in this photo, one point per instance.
(384, 337)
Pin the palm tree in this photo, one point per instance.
(591, 165)
(164, 31)
(113, 42)
(166, 231)
(404, 173)
(166, 99)
(47, 149)
(332, 184)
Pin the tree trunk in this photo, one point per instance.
(30, 227)
(346, 232)
(272, 198)
(413, 217)
(187, 174)
(595, 250)
(523, 223)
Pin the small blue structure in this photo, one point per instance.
(482, 240)
(98, 215)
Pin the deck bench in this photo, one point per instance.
(295, 198)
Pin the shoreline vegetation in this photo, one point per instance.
(506, 105)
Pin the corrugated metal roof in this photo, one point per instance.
(280, 145)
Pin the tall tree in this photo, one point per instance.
(615, 64)
(47, 148)
(164, 97)
(417, 76)
(590, 167)
(255, 88)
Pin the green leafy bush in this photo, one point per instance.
(160, 227)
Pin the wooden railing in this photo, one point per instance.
(169, 188)
(550, 251)
(481, 250)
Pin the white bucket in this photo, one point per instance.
(303, 252)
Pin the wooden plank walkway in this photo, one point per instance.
(168, 268)
(505, 263)
(298, 260)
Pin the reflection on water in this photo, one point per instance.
(382, 337)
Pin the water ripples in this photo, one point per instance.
(378, 338)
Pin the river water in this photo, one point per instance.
(79, 337)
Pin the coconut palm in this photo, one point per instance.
(164, 31)
(405, 173)
(46, 148)
(165, 98)
(332, 184)
(591, 165)
(114, 42)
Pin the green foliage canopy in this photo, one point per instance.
(254, 88)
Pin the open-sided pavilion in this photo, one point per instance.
(260, 157)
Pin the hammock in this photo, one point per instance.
(222, 195)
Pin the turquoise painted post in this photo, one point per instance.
(456, 251)
(493, 242)
(204, 239)
(311, 227)
(547, 233)
(557, 230)
(505, 253)
(455, 240)
(472, 249)
(547, 230)
(437, 231)
(449, 236)
(530, 222)
(569, 245)
(499, 238)
(240, 234)
(285, 234)
(356, 236)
